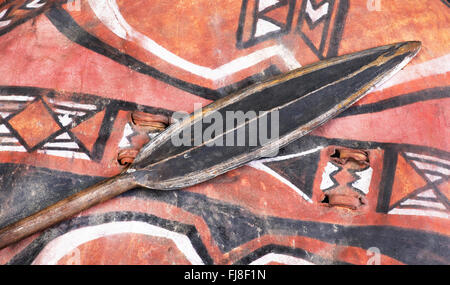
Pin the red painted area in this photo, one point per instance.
(408, 125)
(445, 188)
(91, 126)
(126, 249)
(406, 21)
(34, 124)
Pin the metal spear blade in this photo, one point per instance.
(300, 100)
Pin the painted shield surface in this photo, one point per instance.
(74, 72)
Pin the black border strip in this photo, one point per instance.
(399, 101)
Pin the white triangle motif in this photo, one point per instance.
(264, 27)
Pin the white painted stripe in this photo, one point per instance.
(289, 156)
(316, 15)
(288, 57)
(427, 157)
(71, 145)
(15, 98)
(440, 65)
(74, 105)
(66, 243)
(8, 140)
(4, 23)
(433, 177)
(4, 114)
(3, 13)
(424, 204)
(427, 194)
(108, 12)
(4, 130)
(35, 4)
(327, 182)
(67, 112)
(432, 167)
(64, 153)
(258, 165)
(12, 148)
(280, 258)
(418, 212)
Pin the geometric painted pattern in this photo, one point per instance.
(44, 124)
(262, 20)
(424, 194)
(360, 182)
(62, 124)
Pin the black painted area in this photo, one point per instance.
(338, 28)
(399, 101)
(299, 171)
(26, 189)
(387, 180)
